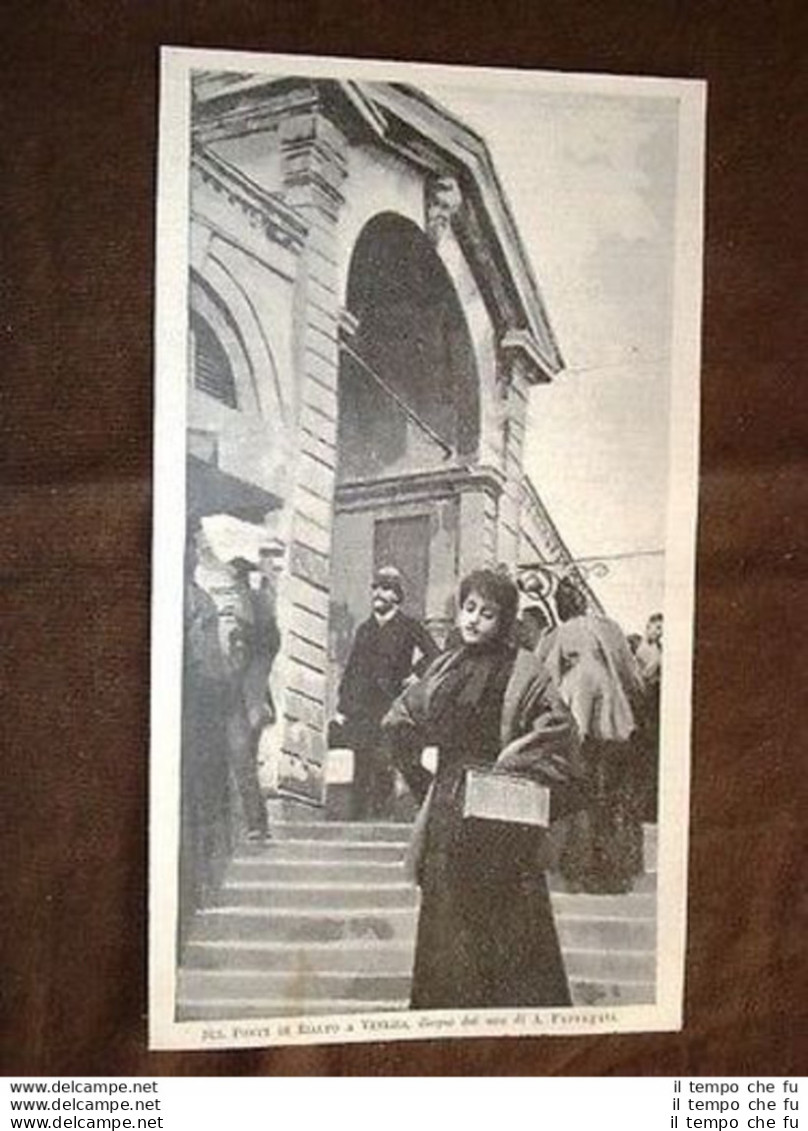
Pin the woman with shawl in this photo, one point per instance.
(598, 848)
(486, 935)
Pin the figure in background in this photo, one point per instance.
(205, 830)
(531, 627)
(253, 644)
(649, 658)
(486, 935)
(535, 616)
(388, 650)
(599, 849)
(649, 651)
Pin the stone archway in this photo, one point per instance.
(412, 402)
(408, 428)
(219, 297)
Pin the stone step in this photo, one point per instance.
(291, 809)
(268, 870)
(373, 851)
(305, 860)
(610, 966)
(292, 985)
(211, 1009)
(295, 822)
(324, 888)
(612, 993)
(393, 956)
(364, 991)
(356, 970)
(645, 883)
(576, 932)
(640, 903)
(582, 932)
(322, 920)
(384, 831)
(580, 918)
(207, 1009)
(303, 926)
(632, 905)
(396, 832)
(335, 896)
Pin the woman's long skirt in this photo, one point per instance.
(486, 935)
(599, 848)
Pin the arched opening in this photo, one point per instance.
(213, 373)
(234, 434)
(220, 364)
(408, 429)
(408, 393)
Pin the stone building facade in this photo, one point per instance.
(365, 330)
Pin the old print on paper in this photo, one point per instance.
(426, 389)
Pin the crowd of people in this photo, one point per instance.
(572, 706)
(230, 646)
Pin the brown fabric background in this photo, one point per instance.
(79, 82)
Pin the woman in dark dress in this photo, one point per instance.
(599, 847)
(486, 935)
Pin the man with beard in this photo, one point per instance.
(388, 651)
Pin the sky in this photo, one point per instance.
(591, 182)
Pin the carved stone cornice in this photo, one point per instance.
(552, 548)
(314, 161)
(421, 487)
(279, 223)
(247, 104)
(521, 347)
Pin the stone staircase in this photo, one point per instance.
(322, 920)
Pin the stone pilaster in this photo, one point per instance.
(314, 168)
(479, 514)
(513, 387)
